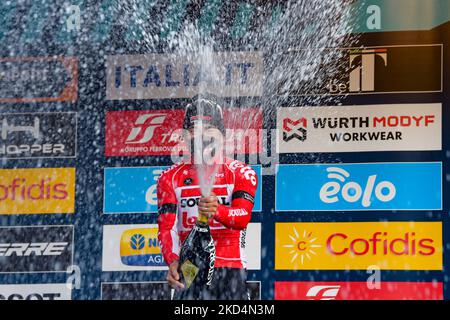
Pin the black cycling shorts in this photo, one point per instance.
(227, 284)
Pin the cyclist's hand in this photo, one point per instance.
(173, 276)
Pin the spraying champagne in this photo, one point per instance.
(198, 253)
(204, 207)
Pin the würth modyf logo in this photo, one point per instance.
(294, 129)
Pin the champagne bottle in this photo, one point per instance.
(197, 258)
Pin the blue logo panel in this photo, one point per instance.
(352, 187)
(133, 189)
(258, 200)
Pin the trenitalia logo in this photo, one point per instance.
(287, 290)
(144, 129)
(376, 70)
(158, 132)
(359, 186)
(384, 127)
(30, 191)
(358, 245)
(139, 247)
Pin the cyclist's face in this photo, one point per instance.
(209, 139)
(194, 130)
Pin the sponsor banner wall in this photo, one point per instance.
(359, 186)
(38, 135)
(358, 245)
(393, 127)
(133, 189)
(41, 291)
(363, 147)
(159, 132)
(37, 191)
(311, 290)
(34, 249)
(163, 76)
(136, 248)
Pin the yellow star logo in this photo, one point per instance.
(302, 246)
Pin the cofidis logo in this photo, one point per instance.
(32, 191)
(139, 247)
(358, 245)
(359, 186)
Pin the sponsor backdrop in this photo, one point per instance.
(353, 202)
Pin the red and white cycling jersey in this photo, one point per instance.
(178, 193)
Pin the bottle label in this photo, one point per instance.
(200, 229)
(189, 271)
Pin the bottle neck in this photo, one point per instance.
(202, 219)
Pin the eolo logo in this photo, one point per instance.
(358, 245)
(351, 191)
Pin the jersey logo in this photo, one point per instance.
(245, 170)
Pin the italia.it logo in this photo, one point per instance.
(303, 246)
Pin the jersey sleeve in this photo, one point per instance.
(167, 219)
(238, 215)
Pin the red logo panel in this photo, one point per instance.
(158, 132)
(358, 291)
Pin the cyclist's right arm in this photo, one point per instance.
(167, 227)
